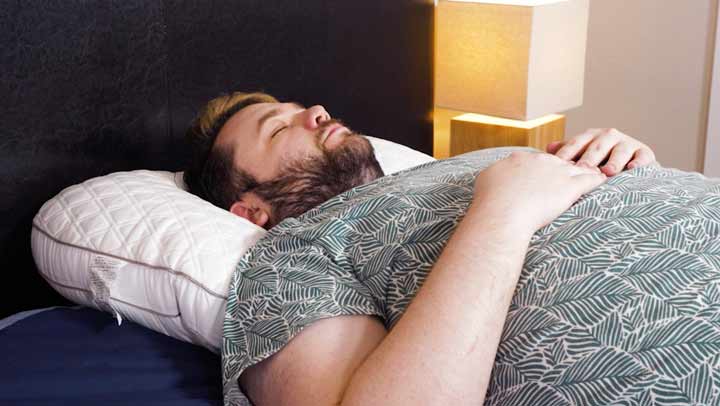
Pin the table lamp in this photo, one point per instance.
(512, 66)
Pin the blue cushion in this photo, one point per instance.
(81, 356)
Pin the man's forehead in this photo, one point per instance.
(259, 112)
(244, 120)
(256, 110)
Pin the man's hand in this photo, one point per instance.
(598, 144)
(528, 190)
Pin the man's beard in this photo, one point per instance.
(309, 182)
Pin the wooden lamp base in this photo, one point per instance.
(469, 132)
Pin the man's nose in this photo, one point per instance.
(314, 116)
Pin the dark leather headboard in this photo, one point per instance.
(92, 87)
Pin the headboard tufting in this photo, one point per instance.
(92, 87)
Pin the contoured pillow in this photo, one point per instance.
(139, 246)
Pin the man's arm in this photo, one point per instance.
(441, 351)
(316, 366)
(449, 333)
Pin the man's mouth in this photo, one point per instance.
(333, 129)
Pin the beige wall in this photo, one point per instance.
(648, 72)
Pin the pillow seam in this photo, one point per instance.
(159, 268)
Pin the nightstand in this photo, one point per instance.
(469, 132)
(456, 132)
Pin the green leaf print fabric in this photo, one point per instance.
(618, 301)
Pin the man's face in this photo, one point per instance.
(299, 157)
(266, 137)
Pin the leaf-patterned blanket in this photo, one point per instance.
(618, 301)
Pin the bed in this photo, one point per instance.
(92, 88)
(619, 297)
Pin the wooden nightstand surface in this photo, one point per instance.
(473, 132)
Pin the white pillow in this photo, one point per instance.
(138, 245)
(394, 157)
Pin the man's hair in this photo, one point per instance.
(211, 173)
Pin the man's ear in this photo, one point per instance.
(253, 208)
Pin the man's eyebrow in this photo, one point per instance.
(273, 112)
(265, 117)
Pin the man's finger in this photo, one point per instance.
(619, 157)
(643, 157)
(576, 145)
(554, 146)
(599, 149)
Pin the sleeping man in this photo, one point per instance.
(507, 276)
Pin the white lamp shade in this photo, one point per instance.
(515, 61)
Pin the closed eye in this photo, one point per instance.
(276, 132)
